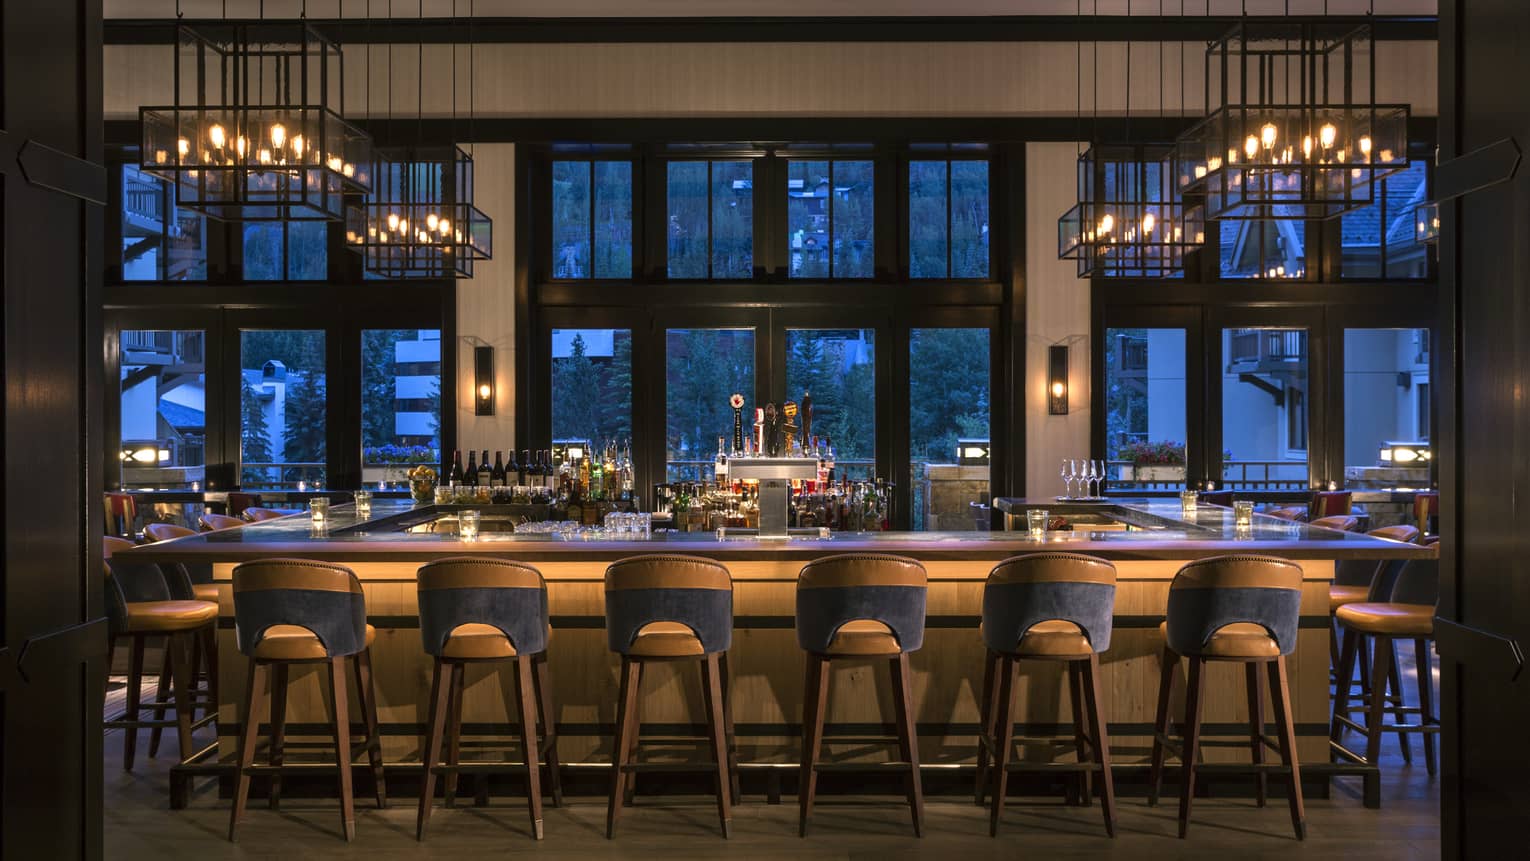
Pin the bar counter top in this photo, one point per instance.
(1141, 530)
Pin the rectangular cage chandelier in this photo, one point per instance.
(420, 221)
(1294, 130)
(1129, 222)
(256, 131)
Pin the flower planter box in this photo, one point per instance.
(1153, 473)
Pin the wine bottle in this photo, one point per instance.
(534, 475)
(485, 471)
(511, 469)
(470, 475)
(497, 474)
(523, 467)
(454, 477)
(549, 472)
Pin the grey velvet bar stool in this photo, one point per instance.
(1243, 609)
(671, 608)
(858, 607)
(291, 612)
(475, 611)
(1046, 607)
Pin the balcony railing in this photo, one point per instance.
(1236, 475)
(1252, 346)
(281, 476)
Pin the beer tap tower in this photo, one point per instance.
(776, 469)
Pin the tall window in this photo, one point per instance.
(711, 219)
(837, 367)
(592, 219)
(282, 403)
(1264, 409)
(164, 408)
(948, 219)
(286, 251)
(1380, 240)
(1145, 408)
(592, 385)
(1386, 401)
(830, 218)
(400, 401)
(160, 241)
(1271, 249)
(703, 369)
(949, 396)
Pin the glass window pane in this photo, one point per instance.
(592, 385)
(687, 229)
(1276, 248)
(1386, 401)
(1264, 409)
(838, 368)
(969, 219)
(703, 369)
(949, 398)
(852, 217)
(400, 402)
(307, 250)
(732, 219)
(807, 218)
(282, 409)
(928, 248)
(160, 242)
(613, 219)
(1380, 240)
(1145, 408)
(571, 219)
(263, 257)
(164, 408)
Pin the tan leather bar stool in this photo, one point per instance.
(1243, 609)
(1340, 522)
(1328, 503)
(217, 522)
(860, 607)
(204, 649)
(157, 532)
(139, 606)
(256, 515)
(1287, 513)
(1407, 614)
(477, 611)
(290, 612)
(671, 608)
(1047, 607)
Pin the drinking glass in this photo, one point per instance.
(318, 509)
(1065, 472)
(467, 524)
(363, 504)
(1087, 468)
(1188, 500)
(1099, 478)
(1243, 512)
(1036, 523)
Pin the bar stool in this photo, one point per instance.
(121, 513)
(157, 532)
(1287, 513)
(855, 607)
(183, 587)
(1426, 506)
(475, 610)
(1243, 609)
(1047, 607)
(256, 515)
(217, 522)
(1407, 613)
(139, 606)
(671, 608)
(296, 611)
(1329, 503)
(1339, 522)
(1363, 580)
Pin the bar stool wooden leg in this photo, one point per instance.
(1084, 785)
(1003, 739)
(454, 734)
(1168, 661)
(1425, 670)
(1396, 698)
(527, 699)
(1101, 742)
(210, 653)
(254, 694)
(814, 704)
(179, 653)
(440, 691)
(278, 731)
(367, 691)
(632, 747)
(134, 690)
(621, 751)
(1195, 687)
(1256, 727)
(986, 728)
(711, 685)
(549, 714)
(1280, 693)
(162, 689)
(339, 697)
(1375, 716)
(727, 708)
(1348, 656)
(903, 699)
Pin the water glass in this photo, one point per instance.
(1243, 512)
(1188, 500)
(1036, 523)
(443, 494)
(467, 524)
(364, 504)
(318, 509)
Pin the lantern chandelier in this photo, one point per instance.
(420, 221)
(256, 130)
(1294, 129)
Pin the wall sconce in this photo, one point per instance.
(1057, 380)
(483, 381)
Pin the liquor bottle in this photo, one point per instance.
(454, 477)
(628, 485)
(828, 458)
(470, 475)
(720, 465)
(485, 471)
(548, 473)
(497, 475)
(523, 467)
(583, 479)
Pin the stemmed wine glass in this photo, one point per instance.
(1089, 479)
(1076, 470)
(1065, 472)
(1099, 477)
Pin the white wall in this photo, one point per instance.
(486, 307)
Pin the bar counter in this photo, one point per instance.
(1147, 540)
